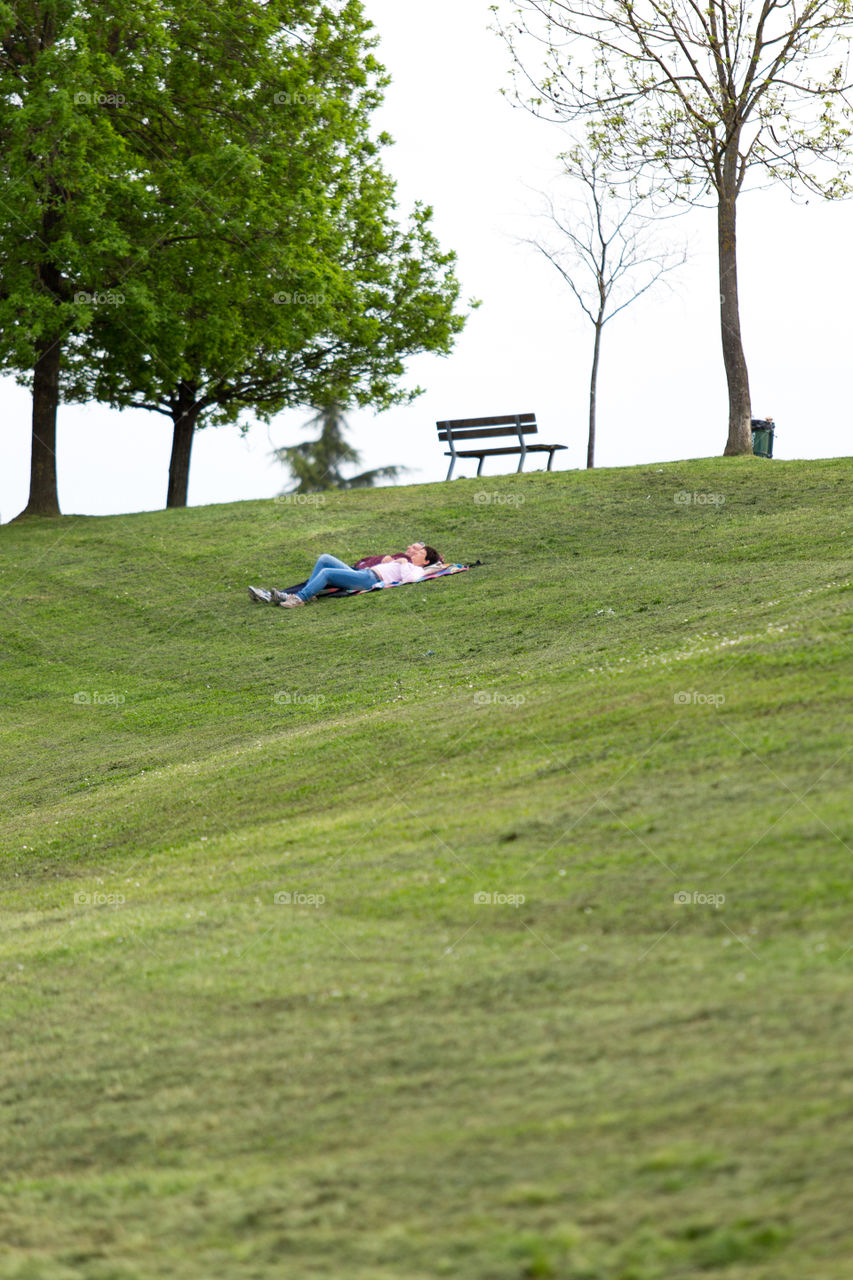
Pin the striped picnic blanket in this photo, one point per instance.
(340, 592)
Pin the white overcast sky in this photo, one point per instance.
(461, 147)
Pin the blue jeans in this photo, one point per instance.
(329, 571)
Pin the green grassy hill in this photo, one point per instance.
(494, 928)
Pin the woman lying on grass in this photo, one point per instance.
(331, 572)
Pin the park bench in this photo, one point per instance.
(480, 429)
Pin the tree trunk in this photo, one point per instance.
(740, 409)
(184, 416)
(44, 500)
(593, 385)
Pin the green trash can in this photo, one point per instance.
(762, 437)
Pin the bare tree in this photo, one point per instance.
(606, 255)
(702, 92)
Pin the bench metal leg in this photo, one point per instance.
(550, 459)
(521, 446)
(450, 468)
(480, 465)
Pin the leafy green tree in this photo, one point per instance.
(67, 184)
(703, 95)
(194, 217)
(316, 464)
(279, 275)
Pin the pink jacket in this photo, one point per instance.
(399, 571)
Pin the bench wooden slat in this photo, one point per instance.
(485, 453)
(503, 420)
(484, 433)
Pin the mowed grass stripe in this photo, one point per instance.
(635, 696)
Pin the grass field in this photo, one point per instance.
(496, 928)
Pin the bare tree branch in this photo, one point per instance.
(605, 255)
(705, 94)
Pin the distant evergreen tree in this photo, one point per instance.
(315, 464)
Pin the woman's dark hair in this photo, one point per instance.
(432, 556)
